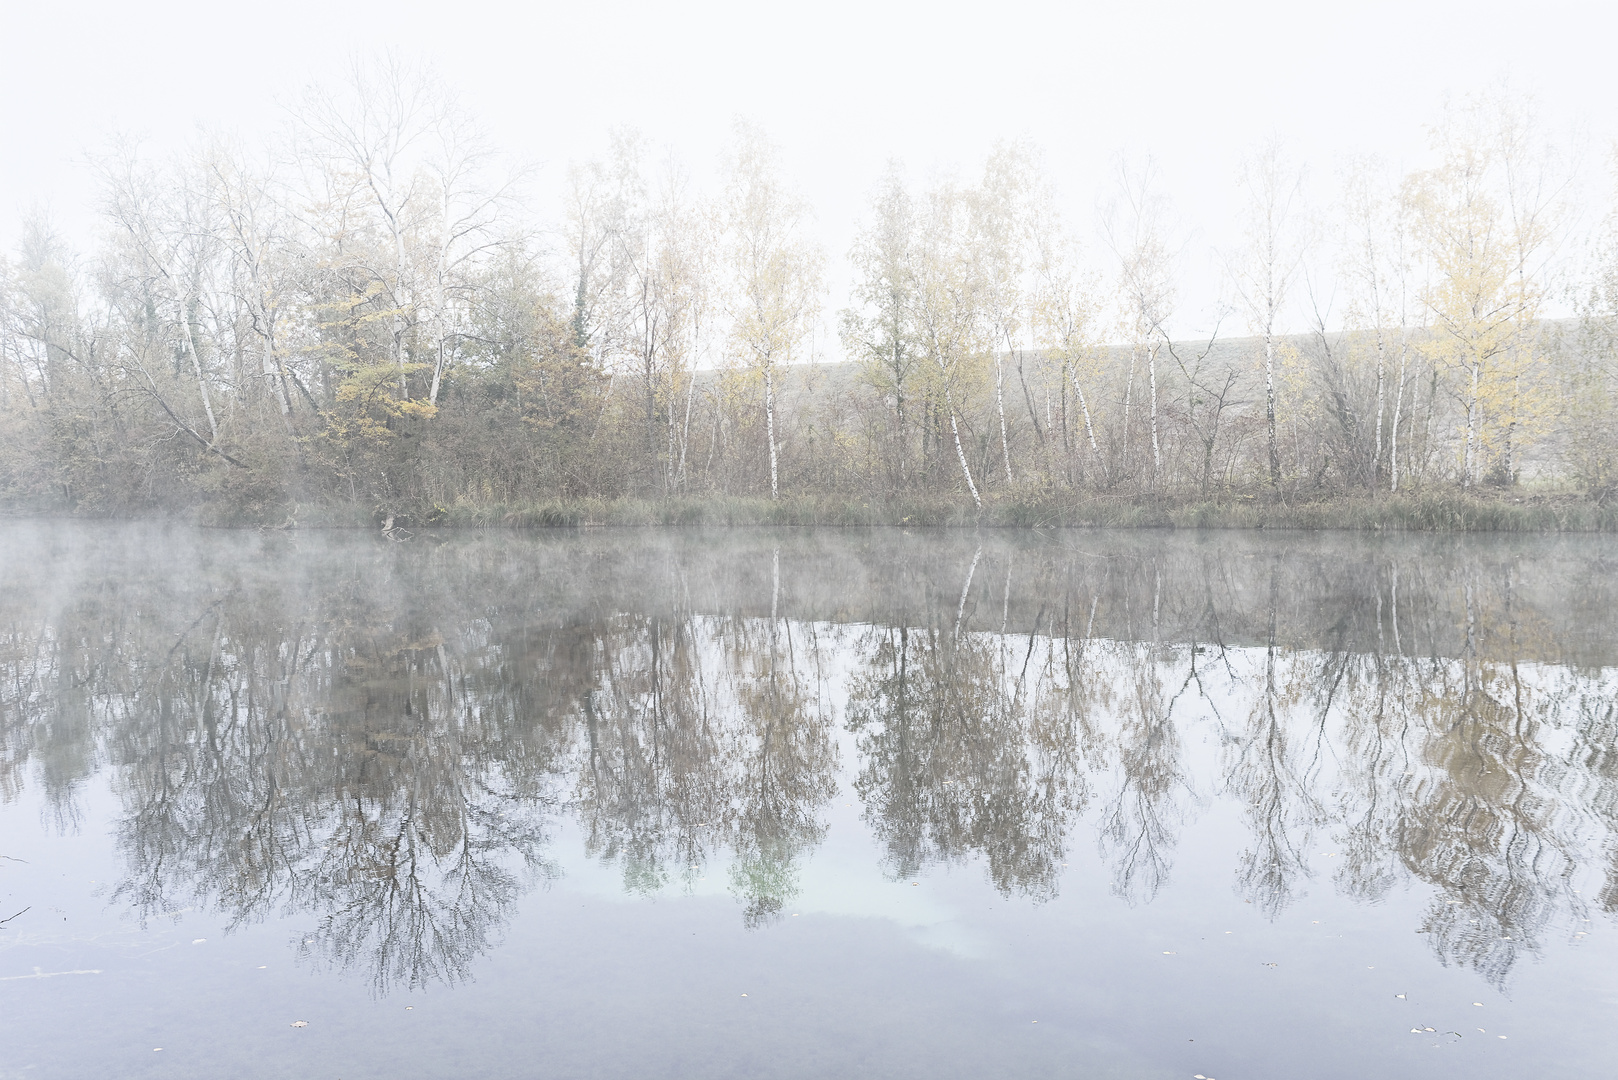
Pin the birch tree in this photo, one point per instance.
(1065, 312)
(1267, 266)
(1377, 269)
(880, 329)
(1135, 229)
(774, 268)
(951, 306)
(999, 216)
(167, 248)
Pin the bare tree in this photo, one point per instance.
(1134, 226)
(1267, 267)
(774, 268)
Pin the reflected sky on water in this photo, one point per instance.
(806, 803)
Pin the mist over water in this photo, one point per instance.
(805, 803)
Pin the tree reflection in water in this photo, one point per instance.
(384, 740)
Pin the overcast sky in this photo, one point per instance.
(842, 87)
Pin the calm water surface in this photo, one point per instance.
(806, 804)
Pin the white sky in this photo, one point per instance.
(842, 86)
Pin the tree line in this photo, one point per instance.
(368, 313)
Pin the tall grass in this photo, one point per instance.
(1430, 511)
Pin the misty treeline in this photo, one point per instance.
(368, 312)
(392, 740)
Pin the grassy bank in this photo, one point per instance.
(1450, 511)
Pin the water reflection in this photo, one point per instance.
(384, 740)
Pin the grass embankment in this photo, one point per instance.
(1430, 511)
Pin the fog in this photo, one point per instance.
(842, 87)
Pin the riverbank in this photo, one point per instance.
(1431, 511)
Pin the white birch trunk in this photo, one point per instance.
(769, 424)
(1398, 405)
(1089, 428)
(1129, 395)
(196, 366)
(1151, 372)
(1469, 457)
(1381, 404)
(1000, 407)
(1269, 407)
(955, 432)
